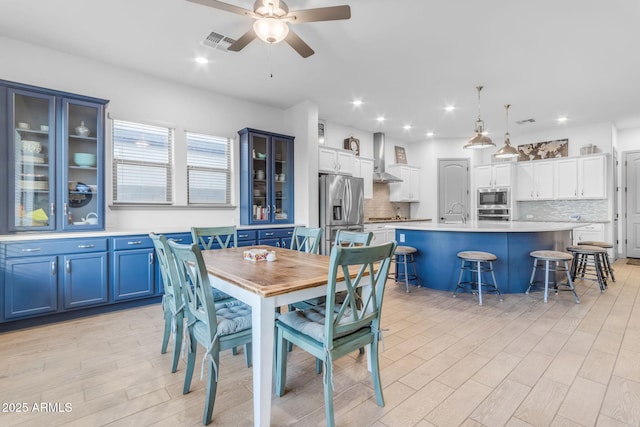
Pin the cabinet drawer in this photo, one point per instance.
(53, 247)
(591, 227)
(181, 238)
(274, 233)
(132, 242)
(244, 235)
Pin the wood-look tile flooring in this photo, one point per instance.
(446, 362)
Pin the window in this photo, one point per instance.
(142, 158)
(208, 169)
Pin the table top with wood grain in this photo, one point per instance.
(292, 271)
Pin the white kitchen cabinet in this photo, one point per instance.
(332, 160)
(535, 181)
(379, 232)
(591, 177)
(364, 170)
(409, 189)
(566, 179)
(493, 176)
(594, 232)
(580, 178)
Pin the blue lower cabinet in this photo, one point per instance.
(133, 273)
(30, 286)
(45, 277)
(247, 237)
(85, 279)
(278, 237)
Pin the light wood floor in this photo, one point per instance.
(446, 362)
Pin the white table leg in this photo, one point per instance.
(263, 323)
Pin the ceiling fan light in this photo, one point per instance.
(271, 30)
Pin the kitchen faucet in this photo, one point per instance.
(463, 211)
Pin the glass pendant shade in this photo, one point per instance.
(479, 140)
(507, 151)
(271, 30)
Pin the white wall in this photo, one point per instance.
(139, 97)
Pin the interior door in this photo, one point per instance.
(453, 186)
(632, 212)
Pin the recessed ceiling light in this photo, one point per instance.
(202, 60)
(406, 127)
(562, 119)
(380, 119)
(357, 102)
(429, 134)
(449, 108)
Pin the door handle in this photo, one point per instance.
(151, 258)
(137, 242)
(68, 266)
(53, 268)
(86, 246)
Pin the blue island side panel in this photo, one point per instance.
(439, 266)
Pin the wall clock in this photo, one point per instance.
(352, 144)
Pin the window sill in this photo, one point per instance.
(137, 206)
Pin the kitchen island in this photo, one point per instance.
(438, 245)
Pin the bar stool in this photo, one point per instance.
(477, 262)
(404, 256)
(549, 257)
(608, 270)
(581, 261)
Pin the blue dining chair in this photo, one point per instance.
(171, 300)
(216, 327)
(306, 239)
(216, 238)
(352, 324)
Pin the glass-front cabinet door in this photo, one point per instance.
(32, 160)
(82, 195)
(52, 150)
(266, 178)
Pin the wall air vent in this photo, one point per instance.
(218, 41)
(525, 121)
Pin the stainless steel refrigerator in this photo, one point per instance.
(341, 206)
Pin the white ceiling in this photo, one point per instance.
(406, 59)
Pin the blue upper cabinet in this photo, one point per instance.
(53, 145)
(266, 178)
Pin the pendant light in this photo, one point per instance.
(508, 151)
(479, 140)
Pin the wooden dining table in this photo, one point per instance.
(294, 276)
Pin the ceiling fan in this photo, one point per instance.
(272, 19)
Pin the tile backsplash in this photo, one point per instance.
(381, 207)
(562, 210)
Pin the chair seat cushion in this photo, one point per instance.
(233, 316)
(218, 295)
(310, 322)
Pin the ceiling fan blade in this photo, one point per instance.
(332, 13)
(298, 44)
(244, 40)
(225, 6)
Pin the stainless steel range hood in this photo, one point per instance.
(379, 174)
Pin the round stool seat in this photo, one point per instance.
(586, 249)
(403, 250)
(552, 255)
(596, 243)
(476, 256)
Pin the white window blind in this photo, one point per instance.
(208, 169)
(142, 159)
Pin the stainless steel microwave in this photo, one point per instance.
(494, 198)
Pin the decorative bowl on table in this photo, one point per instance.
(84, 159)
(257, 255)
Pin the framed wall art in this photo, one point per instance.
(401, 156)
(543, 150)
(322, 132)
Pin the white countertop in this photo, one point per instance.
(35, 235)
(491, 227)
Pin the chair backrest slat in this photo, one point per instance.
(225, 237)
(196, 289)
(306, 239)
(372, 263)
(353, 238)
(168, 271)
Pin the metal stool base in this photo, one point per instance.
(477, 267)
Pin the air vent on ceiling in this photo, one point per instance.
(218, 41)
(525, 121)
